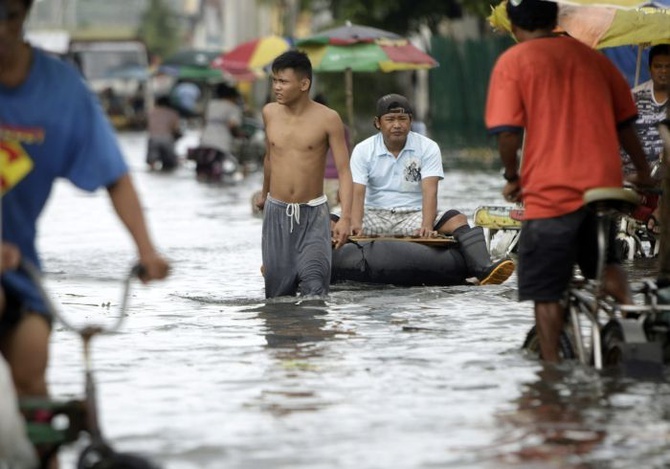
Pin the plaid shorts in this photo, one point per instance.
(395, 222)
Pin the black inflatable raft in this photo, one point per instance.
(399, 262)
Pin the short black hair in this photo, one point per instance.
(225, 91)
(28, 4)
(658, 49)
(295, 59)
(163, 100)
(532, 15)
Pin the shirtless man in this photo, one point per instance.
(297, 240)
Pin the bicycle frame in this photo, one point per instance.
(583, 299)
(82, 415)
(586, 297)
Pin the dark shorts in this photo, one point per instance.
(162, 151)
(15, 310)
(550, 247)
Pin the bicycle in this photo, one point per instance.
(502, 223)
(44, 417)
(614, 334)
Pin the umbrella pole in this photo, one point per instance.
(638, 64)
(349, 95)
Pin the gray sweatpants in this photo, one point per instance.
(297, 248)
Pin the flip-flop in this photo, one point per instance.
(653, 226)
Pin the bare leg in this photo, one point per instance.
(549, 318)
(26, 349)
(453, 224)
(615, 283)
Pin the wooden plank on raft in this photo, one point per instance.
(437, 241)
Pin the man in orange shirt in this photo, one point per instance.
(574, 108)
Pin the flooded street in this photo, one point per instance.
(205, 374)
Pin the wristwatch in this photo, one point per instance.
(513, 178)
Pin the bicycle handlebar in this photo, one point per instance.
(643, 190)
(89, 330)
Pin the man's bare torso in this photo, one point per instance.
(298, 145)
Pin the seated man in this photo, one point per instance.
(651, 100)
(396, 174)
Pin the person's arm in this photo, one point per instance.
(357, 209)
(176, 126)
(359, 174)
(509, 144)
(338, 145)
(260, 203)
(127, 206)
(235, 121)
(428, 206)
(630, 142)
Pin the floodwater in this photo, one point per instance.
(205, 374)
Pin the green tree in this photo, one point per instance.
(400, 16)
(159, 29)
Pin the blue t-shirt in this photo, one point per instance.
(51, 126)
(393, 183)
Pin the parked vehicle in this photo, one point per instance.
(118, 71)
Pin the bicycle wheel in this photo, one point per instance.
(95, 457)
(611, 339)
(532, 345)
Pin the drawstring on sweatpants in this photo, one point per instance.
(293, 212)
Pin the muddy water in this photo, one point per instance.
(205, 374)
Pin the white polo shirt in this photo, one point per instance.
(393, 183)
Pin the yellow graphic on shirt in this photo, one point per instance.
(15, 164)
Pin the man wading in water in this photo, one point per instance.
(297, 241)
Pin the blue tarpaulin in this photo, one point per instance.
(625, 57)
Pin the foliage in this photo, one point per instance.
(404, 16)
(158, 29)
(400, 16)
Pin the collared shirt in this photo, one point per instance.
(395, 183)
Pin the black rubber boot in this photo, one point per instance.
(473, 247)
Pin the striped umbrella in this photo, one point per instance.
(356, 48)
(248, 60)
(601, 26)
(363, 49)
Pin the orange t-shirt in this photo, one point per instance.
(569, 99)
